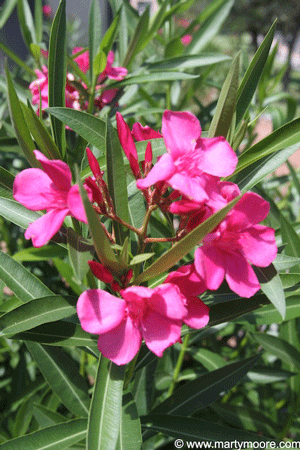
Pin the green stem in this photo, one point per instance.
(179, 363)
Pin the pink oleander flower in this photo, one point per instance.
(191, 285)
(189, 157)
(186, 39)
(141, 133)
(105, 98)
(47, 10)
(114, 73)
(142, 313)
(39, 88)
(83, 60)
(48, 189)
(236, 243)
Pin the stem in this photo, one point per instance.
(179, 363)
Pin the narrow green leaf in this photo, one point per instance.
(109, 37)
(17, 213)
(37, 312)
(61, 372)
(38, 20)
(138, 38)
(46, 417)
(26, 23)
(94, 34)
(24, 284)
(99, 63)
(80, 252)
(280, 348)
(185, 245)
(209, 359)
(116, 180)
(16, 59)
(58, 72)
(251, 78)
(227, 101)
(290, 238)
(6, 11)
(61, 334)
(193, 429)
(130, 426)
(205, 390)
(266, 375)
(101, 241)
(141, 258)
(105, 412)
(40, 254)
(270, 284)
(209, 28)
(58, 437)
(89, 127)
(188, 61)
(6, 179)
(40, 133)
(19, 123)
(151, 78)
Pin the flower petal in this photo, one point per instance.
(99, 311)
(259, 245)
(34, 189)
(190, 187)
(159, 332)
(218, 157)
(57, 170)
(210, 265)
(167, 300)
(198, 313)
(75, 203)
(180, 131)
(240, 276)
(188, 281)
(121, 344)
(250, 210)
(141, 133)
(161, 171)
(44, 228)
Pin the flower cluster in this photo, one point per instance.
(78, 98)
(186, 182)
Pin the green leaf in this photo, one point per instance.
(283, 262)
(209, 28)
(280, 348)
(116, 180)
(6, 11)
(38, 20)
(205, 390)
(185, 245)
(60, 333)
(266, 375)
(290, 238)
(109, 37)
(26, 23)
(24, 284)
(188, 61)
(19, 123)
(99, 64)
(16, 59)
(87, 126)
(105, 412)
(58, 437)
(209, 359)
(193, 429)
(6, 179)
(61, 372)
(270, 284)
(46, 417)
(138, 38)
(140, 258)
(227, 101)
(40, 254)
(40, 133)
(80, 252)
(17, 213)
(94, 34)
(37, 312)
(58, 72)
(253, 73)
(151, 78)
(130, 426)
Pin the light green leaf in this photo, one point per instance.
(280, 348)
(58, 437)
(188, 61)
(94, 35)
(185, 245)
(270, 284)
(17, 213)
(26, 23)
(61, 372)
(38, 20)
(290, 238)
(151, 78)
(24, 284)
(226, 104)
(37, 312)
(6, 11)
(209, 359)
(46, 417)
(105, 412)
(140, 35)
(58, 72)
(80, 252)
(283, 262)
(130, 426)
(141, 258)
(16, 59)
(40, 254)
(109, 37)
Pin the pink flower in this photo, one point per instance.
(48, 189)
(191, 285)
(189, 157)
(105, 98)
(115, 73)
(83, 60)
(142, 313)
(235, 244)
(186, 39)
(39, 88)
(141, 133)
(47, 10)
(128, 145)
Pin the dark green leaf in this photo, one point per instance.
(151, 78)
(6, 11)
(58, 72)
(130, 426)
(16, 59)
(61, 372)
(80, 252)
(45, 417)
(6, 179)
(106, 406)
(280, 348)
(40, 254)
(26, 23)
